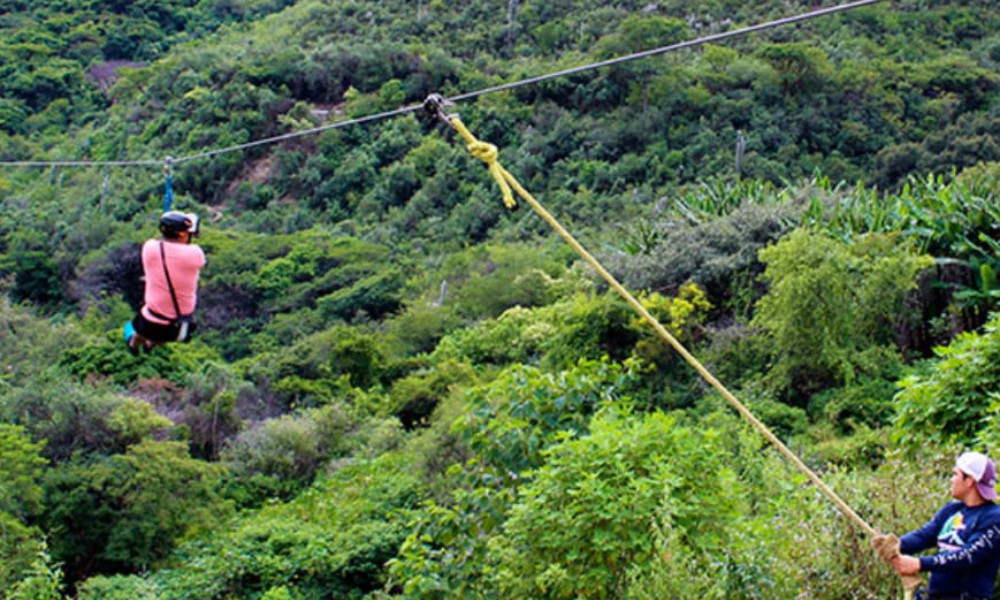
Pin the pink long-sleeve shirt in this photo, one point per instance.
(184, 261)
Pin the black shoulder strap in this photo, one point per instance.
(170, 285)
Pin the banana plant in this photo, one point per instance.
(983, 294)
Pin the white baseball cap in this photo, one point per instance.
(978, 466)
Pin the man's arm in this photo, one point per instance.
(923, 538)
(979, 546)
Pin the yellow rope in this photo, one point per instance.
(488, 154)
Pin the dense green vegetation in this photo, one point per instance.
(400, 389)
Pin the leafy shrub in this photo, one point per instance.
(118, 587)
(826, 303)
(284, 451)
(445, 553)
(118, 274)
(373, 296)
(331, 541)
(312, 367)
(20, 548)
(709, 252)
(42, 580)
(487, 280)
(590, 327)
(605, 325)
(108, 357)
(105, 313)
(419, 327)
(734, 354)
(280, 457)
(581, 326)
(784, 420)
(20, 470)
(506, 424)
(863, 447)
(276, 277)
(413, 398)
(36, 276)
(278, 593)
(952, 399)
(514, 336)
(830, 552)
(867, 400)
(584, 520)
(77, 418)
(970, 139)
(210, 408)
(681, 316)
(325, 263)
(127, 511)
(29, 342)
(513, 418)
(790, 541)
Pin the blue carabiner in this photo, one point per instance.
(168, 197)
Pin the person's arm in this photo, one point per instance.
(979, 546)
(923, 538)
(146, 255)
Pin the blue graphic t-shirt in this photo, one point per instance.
(968, 542)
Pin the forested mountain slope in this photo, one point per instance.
(402, 389)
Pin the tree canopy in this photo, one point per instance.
(401, 389)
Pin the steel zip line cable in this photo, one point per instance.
(671, 48)
(717, 37)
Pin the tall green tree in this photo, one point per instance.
(125, 512)
(827, 302)
(21, 466)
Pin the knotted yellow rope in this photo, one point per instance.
(488, 154)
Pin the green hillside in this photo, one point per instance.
(402, 389)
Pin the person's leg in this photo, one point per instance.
(147, 335)
(145, 344)
(132, 339)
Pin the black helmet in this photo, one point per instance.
(172, 223)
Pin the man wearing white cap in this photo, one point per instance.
(966, 533)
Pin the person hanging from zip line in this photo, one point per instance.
(966, 533)
(171, 267)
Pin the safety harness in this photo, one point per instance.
(184, 323)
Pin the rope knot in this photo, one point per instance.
(487, 153)
(484, 151)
